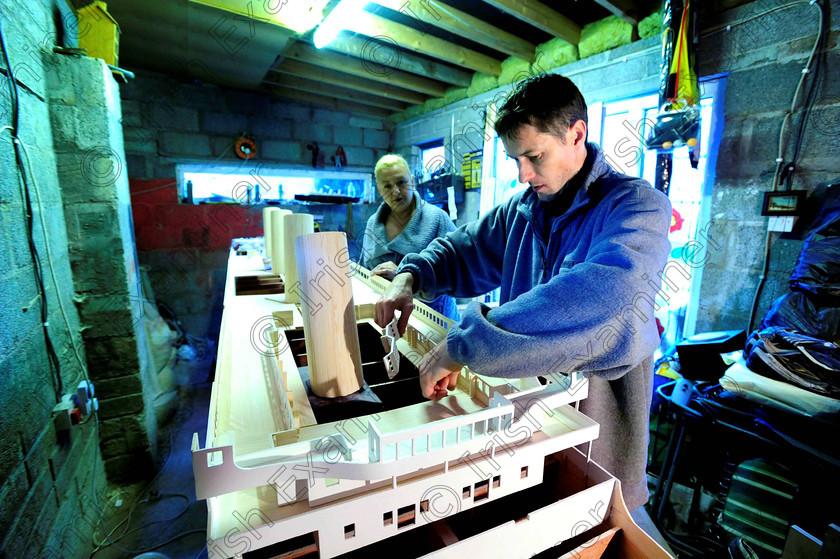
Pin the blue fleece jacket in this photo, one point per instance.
(582, 301)
(427, 223)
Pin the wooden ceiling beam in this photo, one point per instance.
(363, 68)
(540, 16)
(304, 84)
(297, 95)
(372, 25)
(438, 14)
(298, 17)
(621, 8)
(386, 53)
(304, 70)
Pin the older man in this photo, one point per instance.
(571, 255)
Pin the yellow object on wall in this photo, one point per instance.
(99, 33)
(471, 169)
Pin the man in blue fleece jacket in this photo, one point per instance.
(578, 256)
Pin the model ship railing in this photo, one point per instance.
(422, 311)
(439, 434)
(335, 456)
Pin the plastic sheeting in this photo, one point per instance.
(805, 361)
(817, 270)
(743, 382)
(795, 311)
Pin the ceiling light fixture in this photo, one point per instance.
(336, 21)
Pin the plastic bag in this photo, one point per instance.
(796, 311)
(817, 270)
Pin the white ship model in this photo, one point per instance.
(279, 483)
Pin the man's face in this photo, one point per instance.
(547, 162)
(396, 186)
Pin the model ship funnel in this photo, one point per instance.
(329, 316)
(293, 225)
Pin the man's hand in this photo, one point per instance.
(438, 372)
(398, 296)
(387, 270)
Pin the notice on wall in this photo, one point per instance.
(453, 209)
(471, 169)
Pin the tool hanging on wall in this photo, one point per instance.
(340, 159)
(245, 148)
(678, 121)
(318, 155)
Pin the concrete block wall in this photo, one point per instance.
(167, 121)
(185, 247)
(85, 107)
(763, 59)
(49, 483)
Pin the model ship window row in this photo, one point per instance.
(406, 515)
(438, 440)
(434, 317)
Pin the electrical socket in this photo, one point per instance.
(84, 397)
(61, 414)
(780, 223)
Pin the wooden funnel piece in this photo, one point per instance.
(277, 240)
(267, 229)
(329, 316)
(293, 226)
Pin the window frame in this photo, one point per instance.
(260, 171)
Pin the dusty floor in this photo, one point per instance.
(165, 509)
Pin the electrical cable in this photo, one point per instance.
(20, 147)
(127, 520)
(803, 118)
(161, 187)
(26, 170)
(728, 26)
(52, 356)
(161, 544)
(761, 279)
(111, 541)
(806, 71)
(76, 352)
(133, 504)
(820, 60)
(169, 184)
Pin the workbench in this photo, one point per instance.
(497, 467)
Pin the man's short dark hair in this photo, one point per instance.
(551, 103)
